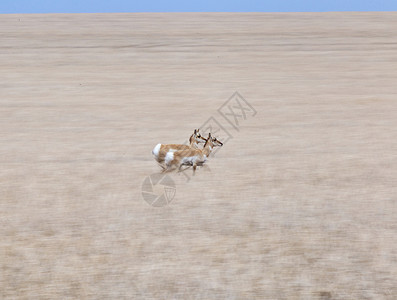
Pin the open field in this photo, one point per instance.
(299, 204)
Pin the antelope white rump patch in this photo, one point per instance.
(156, 150)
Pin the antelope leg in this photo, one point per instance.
(182, 170)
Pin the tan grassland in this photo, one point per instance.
(299, 204)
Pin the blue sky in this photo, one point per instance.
(93, 6)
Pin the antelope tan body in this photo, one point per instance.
(192, 157)
(161, 150)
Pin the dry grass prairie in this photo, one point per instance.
(299, 204)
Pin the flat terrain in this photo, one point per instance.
(300, 203)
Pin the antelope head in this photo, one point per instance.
(216, 142)
(196, 138)
(212, 142)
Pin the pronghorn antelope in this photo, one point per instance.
(192, 157)
(160, 151)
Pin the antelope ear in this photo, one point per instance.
(195, 131)
(209, 135)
